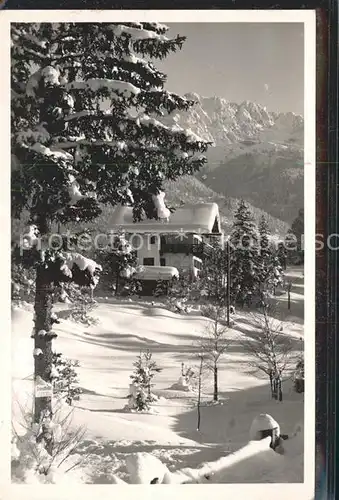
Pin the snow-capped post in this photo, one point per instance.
(72, 157)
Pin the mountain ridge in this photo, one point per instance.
(247, 140)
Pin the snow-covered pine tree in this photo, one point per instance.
(244, 251)
(270, 271)
(264, 247)
(298, 230)
(145, 369)
(179, 291)
(281, 255)
(23, 282)
(86, 130)
(82, 304)
(65, 378)
(118, 260)
(212, 278)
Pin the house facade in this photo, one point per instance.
(164, 248)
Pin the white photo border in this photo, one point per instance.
(248, 491)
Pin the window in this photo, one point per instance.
(148, 261)
(197, 264)
(163, 262)
(152, 240)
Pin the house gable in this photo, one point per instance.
(198, 218)
(216, 226)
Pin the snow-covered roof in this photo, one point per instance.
(156, 273)
(191, 218)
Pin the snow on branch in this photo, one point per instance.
(79, 269)
(159, 27)
(74, 190)
(55, 154)
(119, 145)
(192, 136)
(131, 58)
(82, 262)
(49, 74)
(142, 119)
(38, 135)
(162, 211)
(33, 83)
(114, 86)
(137, 33)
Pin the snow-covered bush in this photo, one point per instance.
(216, 313)
(23, 283)
(187, 374)
(144, 468)
(119, 263)
(46, 451)
(65, 378)
(186, 379)
(161, 288)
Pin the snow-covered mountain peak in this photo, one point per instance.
(227, 124)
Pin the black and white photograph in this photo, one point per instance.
(160, 184)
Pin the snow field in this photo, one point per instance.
(106, 352)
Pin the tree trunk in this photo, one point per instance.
(271, 383)
(116, 283)
(199, 394)
(198, 406)
(215, 376)
(274, 388)
(43, 361)
(280, 394)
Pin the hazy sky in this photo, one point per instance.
(260, 62)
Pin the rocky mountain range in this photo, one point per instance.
(256, 155)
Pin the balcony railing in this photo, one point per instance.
(198, 249)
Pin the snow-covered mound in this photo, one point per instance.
(264, 465)
(144, 468)
(261, 423)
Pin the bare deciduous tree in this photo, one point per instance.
(271, 350)
(214, 342)
(199, 387)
